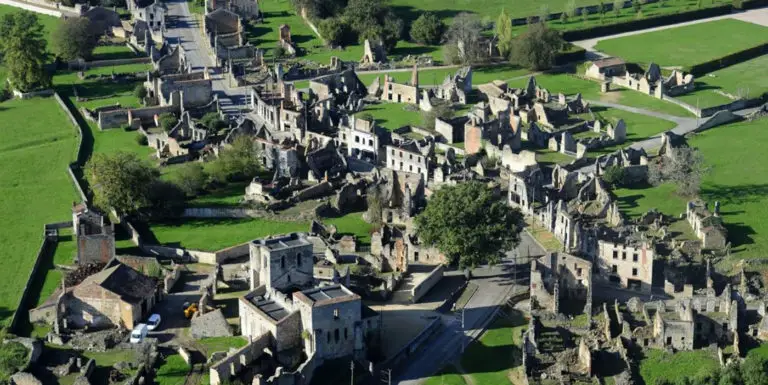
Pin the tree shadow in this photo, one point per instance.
(747, 193)
(409, 14)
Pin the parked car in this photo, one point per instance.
(153, 322)
(139, 333)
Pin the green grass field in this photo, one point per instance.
(658, 364)
(172, 371)
(738, 181)
(637, 200)
(352, 224)
(639, 127)
(221, 344)
(216, 234)
(747, 80)
(112, 52)
(447, 376)
(38, 144)
(490, 359)
(687, 45)
(66, 249)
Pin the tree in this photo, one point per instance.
(603, 8)
(538, 47)
(168, 121)
(190, 178)
(212, 121)
(23, 49)
(504, 33)
(443, 111)
(731, 375)
(638, 5)
(570, 8)
(738, 4)
(469, 224)
(617, 6)
(279, 52)
(564, 18)
(391, 30)
(614, 175)
(684, 167)
(140, 92)
(362, 14)
(240, 161)
(121, 181)
(13, 358)
(75, 38)
(754, 370)
(462, 37)
(165, 199)
(333, 30)
(427, 29)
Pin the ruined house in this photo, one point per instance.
(373, 52)
(707, 226)
(363, 139)
(409, 156)
(95, 235)
(608, 67)
(455, 87)
(560, 280)
(248, 9)
(186, 90)
(401, 92)
(626, 262)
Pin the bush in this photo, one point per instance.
(614, 175)
(279, 52)
(212, 121)
(140, 92)
(333, 30)
(538, 47)
(190, 178)
(168, 121)
(13, 356)
(427, 29)
(141, 140)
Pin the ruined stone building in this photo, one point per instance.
(626, 263)
(306, 324)
(226, 36)
(186, 90)
(175, 62)
(373, 52)
(363, 139)
(560, 280)
(398, 249)
(455, 87)
(395, 92)
(408, 157)
(95, 236)
(401, 194)
(606, 68)
(248, 9)
(340, 86)
(149, 11)
(707, 226)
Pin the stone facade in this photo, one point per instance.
(95, 236)
(628, 265)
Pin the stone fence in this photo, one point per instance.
(422, 287)
(223, 370)
(81, 65)
(44, 7)
(46, 250)
(76, 164)
(171, 278)
(710, 111)
(32, 94)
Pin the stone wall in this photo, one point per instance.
(32, 94)
(421, 288)
(223, 370)
(45, 252)
(171, 278)
(72, 166)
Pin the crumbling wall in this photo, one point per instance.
(231, 365)
(423, 287)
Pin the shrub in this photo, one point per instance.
(141, 140)
(140, 92)
(332, 30)
(538, 47)
(614, 175)
(168, 121)
(427, 29)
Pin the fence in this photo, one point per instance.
(76, 164)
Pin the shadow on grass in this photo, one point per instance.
(410, 14)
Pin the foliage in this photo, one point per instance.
(469, 225)
(336, 31)
(140, 92)
(279, 52)
(737, 4)
(617, 7)
(504, 33)
(427, 29)
(212, 121)
(462, 36)
(684, 167)
(614, 175)
(75, 38)
(543, 13)
(372, 20)
(320, 8)
(570, 8)
(637, 5)
(23, 50)
(240, 161)
(168, 121)
(443, 111)
(537, 48)
(13, 356)
(190, 178)
(141, 140)
(165, 199)
(121, 181)
(564, 17)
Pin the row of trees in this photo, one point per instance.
(24, 48)
(133, 186)
(356, 21)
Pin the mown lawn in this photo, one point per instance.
(687, 45)
(635, 201)
(112, 52)
(66, 249)
(490, 359)
(172, 371)
(746, 80)
(221, 344)
(393, 115)
(352, 224)
(447, 376)
(216, 234)
(38, 144)
(658, 364)
(739, 180)
(639, 127)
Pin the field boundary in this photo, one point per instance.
(76, 165)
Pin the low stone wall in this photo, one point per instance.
(82, 66)
(171, 278)
(75, 164)
(185, 355)
(32, 94)
(423, 287)
(47, 248)
(223, 370)
(43, 7)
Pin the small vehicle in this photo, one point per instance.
(190, 311)
(139, 333)
(153, 322)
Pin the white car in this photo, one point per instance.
(139, 333)
(153, 322)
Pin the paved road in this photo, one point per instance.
(757, 16)
(495, 285)
(185, 29)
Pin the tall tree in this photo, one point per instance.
(427, 29)
(121, 181)
(504, 33)
(538, 47)
(190, 178)
(24, 50)
(462, 37)
(469, 224)
(754, 370)
(240, 161)
(75, 38)
(685, 167)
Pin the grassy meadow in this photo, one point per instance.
(687, 45)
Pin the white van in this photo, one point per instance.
(139, 333)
